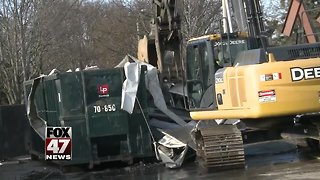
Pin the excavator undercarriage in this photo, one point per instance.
(219, 147)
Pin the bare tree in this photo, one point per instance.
(37, 36)
(25, 40)
(94, 33)
(201, 17)
(17, 47)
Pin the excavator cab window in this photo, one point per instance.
(204, 58)
(200, 71)
(225, 54)
(194, 74)
(194, 65)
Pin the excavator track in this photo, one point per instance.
(220, 147)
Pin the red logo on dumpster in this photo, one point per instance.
(103, 89)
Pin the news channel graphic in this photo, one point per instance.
(58, 144)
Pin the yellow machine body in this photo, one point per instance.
(266, 90)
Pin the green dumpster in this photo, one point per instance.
(89, 102)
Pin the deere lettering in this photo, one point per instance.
(298, 74)
(231, 42)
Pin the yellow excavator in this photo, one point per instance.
(236, 76)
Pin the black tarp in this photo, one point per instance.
(14, 131)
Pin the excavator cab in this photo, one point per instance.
(205, 55)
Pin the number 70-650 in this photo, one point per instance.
(105, 108)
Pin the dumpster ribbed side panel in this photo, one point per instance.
(51, 102)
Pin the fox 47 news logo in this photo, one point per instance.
(58, 143)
